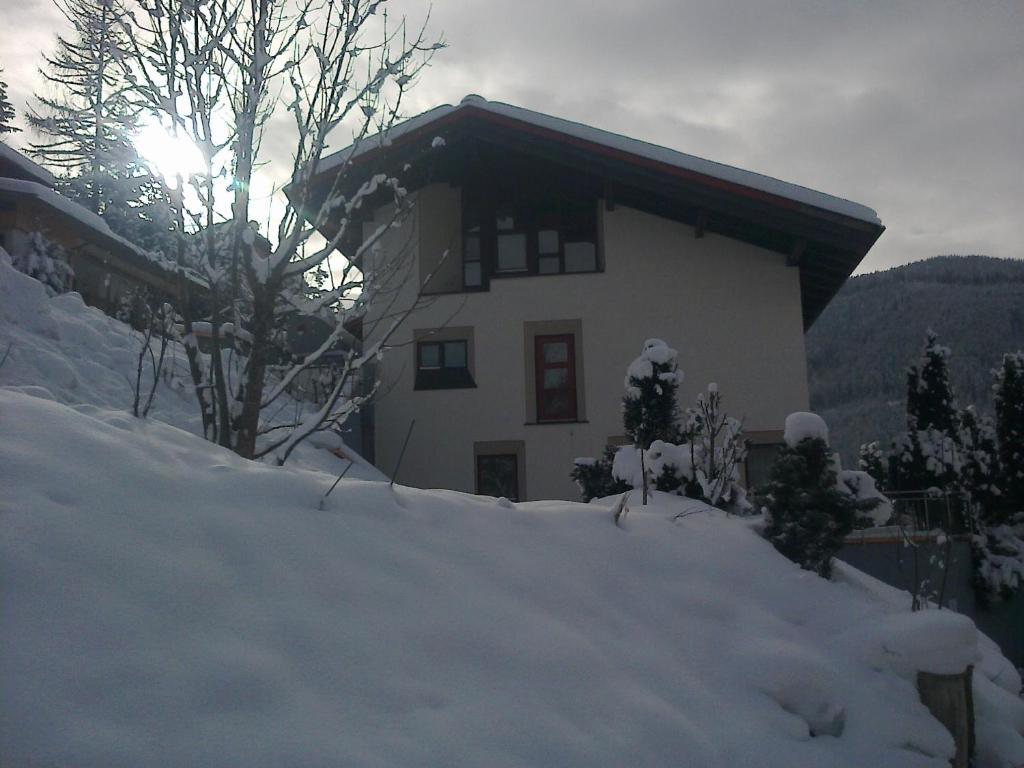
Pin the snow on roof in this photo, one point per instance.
(615, 141)
(81, 214)
(27, 166)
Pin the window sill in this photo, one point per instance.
(432, 387)
(554, 423)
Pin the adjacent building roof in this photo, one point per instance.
(82, 216)
(15, 165)
(824, 235)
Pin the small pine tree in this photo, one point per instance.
(808, 513)
(6, 110)
(930, 401)
(594, 476)
(870, 460)
(927, 454)
(1009, 406)
(649, 409)
(979, 473)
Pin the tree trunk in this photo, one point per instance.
(248, 423)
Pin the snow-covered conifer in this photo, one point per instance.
(1009, 407)
(6, 110)
(649, 409)
(807, 513)
(871, 460)
(930, 401)
(927, 455)
(46, 261)
(979, 470)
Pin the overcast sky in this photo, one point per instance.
(915, 109)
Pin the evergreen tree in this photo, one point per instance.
(979, 472)
(6, 110)
(649, 409)
(870, 460)
(594, 476)
(808, 513)
(1009, 406)
(927, 454)
(86, 126)
(930, 401)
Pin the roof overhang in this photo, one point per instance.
(825, 237)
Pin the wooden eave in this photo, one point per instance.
(824, 245)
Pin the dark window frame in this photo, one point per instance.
(442, 376)
(575, 221)
(482, 457)
(540, 366)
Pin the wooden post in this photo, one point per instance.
(950, 699)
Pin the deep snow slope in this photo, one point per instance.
(58, 347)
(164, 603)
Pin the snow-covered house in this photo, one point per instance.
(568, 246)
(39, 225)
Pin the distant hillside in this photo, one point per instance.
(858, 350)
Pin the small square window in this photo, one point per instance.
(430, 356)
(547, 241)
(580, 257)
(455, 354)
(512, 253)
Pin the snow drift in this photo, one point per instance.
(59, 348)
(166, 603)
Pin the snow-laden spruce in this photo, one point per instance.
(167, 603)
(698, 454)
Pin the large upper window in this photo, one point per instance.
(555, 367)
(532, 237)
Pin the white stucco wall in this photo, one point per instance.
(731, 309)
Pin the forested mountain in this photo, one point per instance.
(859, 349)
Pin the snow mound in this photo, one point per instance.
(60, 349)
(802, 425)
(166, 603)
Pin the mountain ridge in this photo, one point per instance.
(860, 347)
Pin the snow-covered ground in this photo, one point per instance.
(165, 603)
(62, 349)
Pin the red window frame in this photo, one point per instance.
(546, 409)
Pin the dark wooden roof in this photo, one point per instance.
(823, 241)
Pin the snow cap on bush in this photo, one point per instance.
(802, 425)
(655, 353)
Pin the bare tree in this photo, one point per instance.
(155, 318)
(221, 73)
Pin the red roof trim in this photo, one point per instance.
(596, 148)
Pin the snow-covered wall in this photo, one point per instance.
(731, 309)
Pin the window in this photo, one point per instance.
(537, 235)
(443, 365)
(472, 272)
(760, 458)
(555, 367)
(498, 475)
